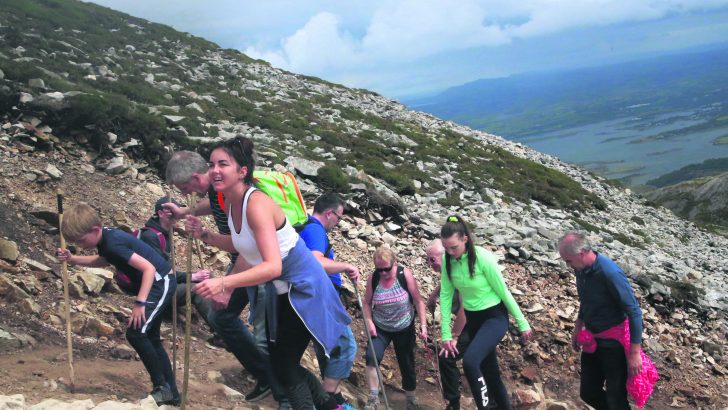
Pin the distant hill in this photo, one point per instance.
(535, 103)
(707, 168)
(703, 200)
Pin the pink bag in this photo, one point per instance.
(640, 386)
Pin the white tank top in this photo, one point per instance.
(244, 241)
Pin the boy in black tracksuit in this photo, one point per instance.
(145, 268)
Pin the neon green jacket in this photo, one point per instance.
(485, 289)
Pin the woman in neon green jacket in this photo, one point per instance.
(487, 301)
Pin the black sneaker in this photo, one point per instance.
(259, 392)
(176, 400)
(161, 395)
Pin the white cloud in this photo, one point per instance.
(407, 30)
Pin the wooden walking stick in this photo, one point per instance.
(66, 297)
(174, 299)
(199, 255)
(188, 305)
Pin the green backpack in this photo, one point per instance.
(283, 189)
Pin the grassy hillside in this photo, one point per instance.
(148, 82)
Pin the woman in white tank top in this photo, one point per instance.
(271, 252)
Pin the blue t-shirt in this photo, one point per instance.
(117, 247)
(316, 239)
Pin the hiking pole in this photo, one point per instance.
(371, 344)
(66, 296)
(435, 363)
(188, 305)
(174, 299)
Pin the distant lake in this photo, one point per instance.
(635, 150)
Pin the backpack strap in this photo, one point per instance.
(160, 235)
(403, 281)
(400, 278)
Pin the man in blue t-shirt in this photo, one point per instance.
(327, 212)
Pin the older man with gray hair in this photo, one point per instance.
(606, 299)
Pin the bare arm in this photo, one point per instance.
(179, 212)
(367, 308)
(194, 226)
(138, 316)
(91, 260)
(432, 299)
(332, 266)
(262, 213)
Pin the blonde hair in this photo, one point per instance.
(78, 220)
(385, 254)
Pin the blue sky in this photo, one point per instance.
(401, 48)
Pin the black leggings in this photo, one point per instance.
(486, 328)
(404, 349)
(303, 389)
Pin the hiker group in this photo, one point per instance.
(284, 270)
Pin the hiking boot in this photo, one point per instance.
(216, 341)
(372, 404)
(176, 400)
(259, 392)
(161, 395)
(412, 404)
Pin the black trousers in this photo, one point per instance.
(449, 372)
(480, 364)
(303, 389)
(404, 349)
(606, 366)
(146, 340)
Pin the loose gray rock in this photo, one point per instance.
(54, 172)
(53, 101)
(116, 166)
(9, 250)
(25, 98)
(303, 166)
(36, 83)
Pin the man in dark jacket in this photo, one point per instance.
(606, 299)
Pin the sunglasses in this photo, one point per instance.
(382, 270)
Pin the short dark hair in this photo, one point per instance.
(328, 200)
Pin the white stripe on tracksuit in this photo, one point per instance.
(159, 303)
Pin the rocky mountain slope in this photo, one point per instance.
(94, 101)
(702, 200)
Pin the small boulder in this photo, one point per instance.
(9, 250)
(25, 98)
(36, 83)
(96, 327)
(92, 283)
(14, 402)
(54, 172)
(526, 399)
(116, 166)
(303, 166)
